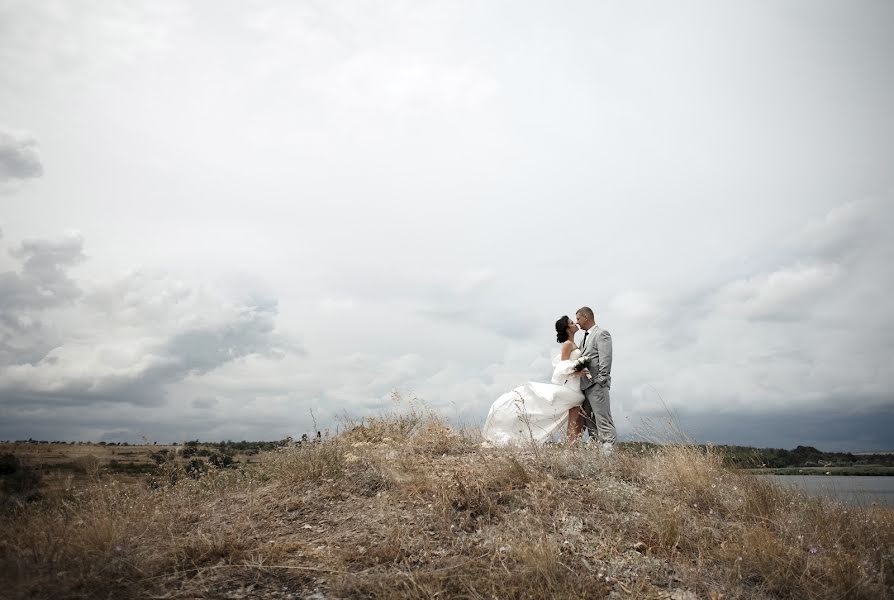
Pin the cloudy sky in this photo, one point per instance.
(230, 219)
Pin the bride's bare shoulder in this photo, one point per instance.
(567, 348)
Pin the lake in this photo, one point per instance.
(856, 489)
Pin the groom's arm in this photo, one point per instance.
(604, 369)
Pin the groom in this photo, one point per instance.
(597, 345)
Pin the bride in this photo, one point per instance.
(533, 412)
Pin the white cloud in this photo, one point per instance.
(635, 305)
(783, 294)
(795, 338)
(80, 42)
(336, 305)
(395, 82)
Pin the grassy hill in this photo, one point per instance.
(407, 507)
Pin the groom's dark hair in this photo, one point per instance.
(562, 329)
(586, 311)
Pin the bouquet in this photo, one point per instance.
(581, 363)
(565, 368)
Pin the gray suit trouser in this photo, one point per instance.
(598, 414)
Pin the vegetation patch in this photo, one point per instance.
(405, 507)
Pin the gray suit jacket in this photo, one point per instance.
(599, 349)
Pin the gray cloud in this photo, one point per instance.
(203, 349)
(204, 403)
(23, 339)
(125, 342)
(829, 430)
(120, 435)
(19, 156)
(43, 281)
(135, 423)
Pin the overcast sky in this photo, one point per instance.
(227, 219)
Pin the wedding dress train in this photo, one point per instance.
(533, 412)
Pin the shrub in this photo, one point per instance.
(196, 468)
(162, 456)
(220, 460)
(18, 481)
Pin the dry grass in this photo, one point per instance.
(403, 506)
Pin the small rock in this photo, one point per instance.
(681, 595)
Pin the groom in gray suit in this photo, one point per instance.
(597, 345)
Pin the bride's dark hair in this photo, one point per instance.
(562, 329)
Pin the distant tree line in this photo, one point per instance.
(748, 457)
(801, 456)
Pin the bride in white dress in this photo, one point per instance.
(533, 412)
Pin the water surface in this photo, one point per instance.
(852, 489)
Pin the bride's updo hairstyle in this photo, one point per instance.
(562, 329)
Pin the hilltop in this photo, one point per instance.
(405, 506)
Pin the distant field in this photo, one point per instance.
(52, 454)
(63, 466)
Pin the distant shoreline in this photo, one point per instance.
(863, 470)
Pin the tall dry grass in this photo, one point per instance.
(405, 506)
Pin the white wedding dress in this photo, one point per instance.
(533, 412)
